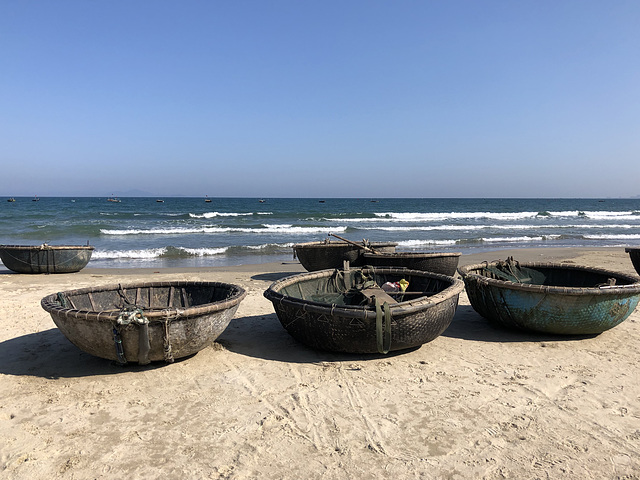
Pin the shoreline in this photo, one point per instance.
(476, 402)
(545, 254)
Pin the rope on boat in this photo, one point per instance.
(131, 314)
(117, 340)
(63, 300)
(383, 326)
(353, 280)
(510, 270)
(168, 354)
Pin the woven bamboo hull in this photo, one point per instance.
(444, 263)
(185, 316)
(45, 258)
(634, 254)
(323, 255)
(576, 307)
(352, 329)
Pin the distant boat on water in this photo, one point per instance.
(11, 199)
(113, 199)
(159, 201)
(262, 200)
(207, 199)
(35, 199)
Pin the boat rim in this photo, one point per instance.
(412, 254)
(46, 246)
(456, 286)
(632, 288)
(50, 304)
(340, 243)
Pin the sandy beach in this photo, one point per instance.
(477, 402)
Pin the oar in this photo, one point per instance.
(368, 249)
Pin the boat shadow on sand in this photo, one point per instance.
(467, 324)
(263, 337)
(273, 277)
(48, 354)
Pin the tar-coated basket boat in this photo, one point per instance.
(327, 254)
(634, 254)
(444, 263)
(145, 322)
(348, 311)
(550, 298)
(45, 258)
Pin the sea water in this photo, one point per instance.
(189, 232)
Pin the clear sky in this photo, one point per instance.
(320, 98)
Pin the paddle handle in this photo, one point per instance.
(354, 243)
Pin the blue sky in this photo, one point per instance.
(320, 98)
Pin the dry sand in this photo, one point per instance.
(477, 402)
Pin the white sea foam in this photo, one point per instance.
(152, 231)
(445, 228)
(219, 214)
(146, 253)
(412, 244)
(439, 217)
(511, 239)
(613, 216)
(269, 245)
(266, 229)
(612, 225)
(596, 215)
(420, 243)
(150, 253)
(506, 216)
(566, 213)
(204, 252)
(291, 229)
(227, 214)
(633, 236)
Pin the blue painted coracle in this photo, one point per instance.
(550, 298)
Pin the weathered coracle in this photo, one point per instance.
(348, 311)
(550, 298)
(327, 254)
(145, 322)
(45, 258)
(445, 263)
(634, 254)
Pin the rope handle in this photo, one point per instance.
(383, 327)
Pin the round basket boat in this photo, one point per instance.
(145, 322)
(550, 298)
(45, 258)
(326, 254)
(436, 262)
(634, 254)
(347, 311)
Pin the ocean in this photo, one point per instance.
(189, 232)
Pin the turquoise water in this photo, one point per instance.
(189, 232)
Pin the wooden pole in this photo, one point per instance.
(368, 249)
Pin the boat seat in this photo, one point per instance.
(371, 293)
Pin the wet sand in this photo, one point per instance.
(477, 402)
